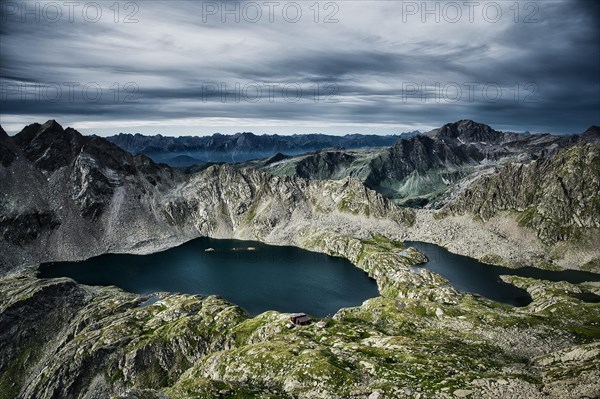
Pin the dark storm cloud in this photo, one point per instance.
(374, 70)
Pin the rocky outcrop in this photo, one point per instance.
(558, 196)
(61, 339)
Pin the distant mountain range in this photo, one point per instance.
(242, 147)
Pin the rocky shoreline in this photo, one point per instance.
(419, 339)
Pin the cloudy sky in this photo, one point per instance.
(191, 67)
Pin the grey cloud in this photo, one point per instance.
(170, 53)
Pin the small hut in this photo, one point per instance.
(300, 319)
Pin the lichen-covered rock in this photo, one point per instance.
(62, 339)
(558, 196)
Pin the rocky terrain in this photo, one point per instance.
(415, 171)
(64, 196)
(557, 196)
(469, 183)
(553, 198)
(95, 198)
(419, 339)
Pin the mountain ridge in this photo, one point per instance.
(91, 192)
(420, 333)
(93, 183)
(255, 145)
(417, 169)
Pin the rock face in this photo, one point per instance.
(63, 192)
(558, 196)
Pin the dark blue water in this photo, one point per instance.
(286, 279)
(470, 275)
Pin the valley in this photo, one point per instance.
(69, 197)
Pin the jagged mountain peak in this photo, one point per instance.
(52, 124)
(90, 168)
(49, 132)
(592, 134)
(467, 131)
(50, 147)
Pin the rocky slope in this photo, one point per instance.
(67, 196)
(415, 171)
(557, 196)
(553, 198)
(70, 196)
